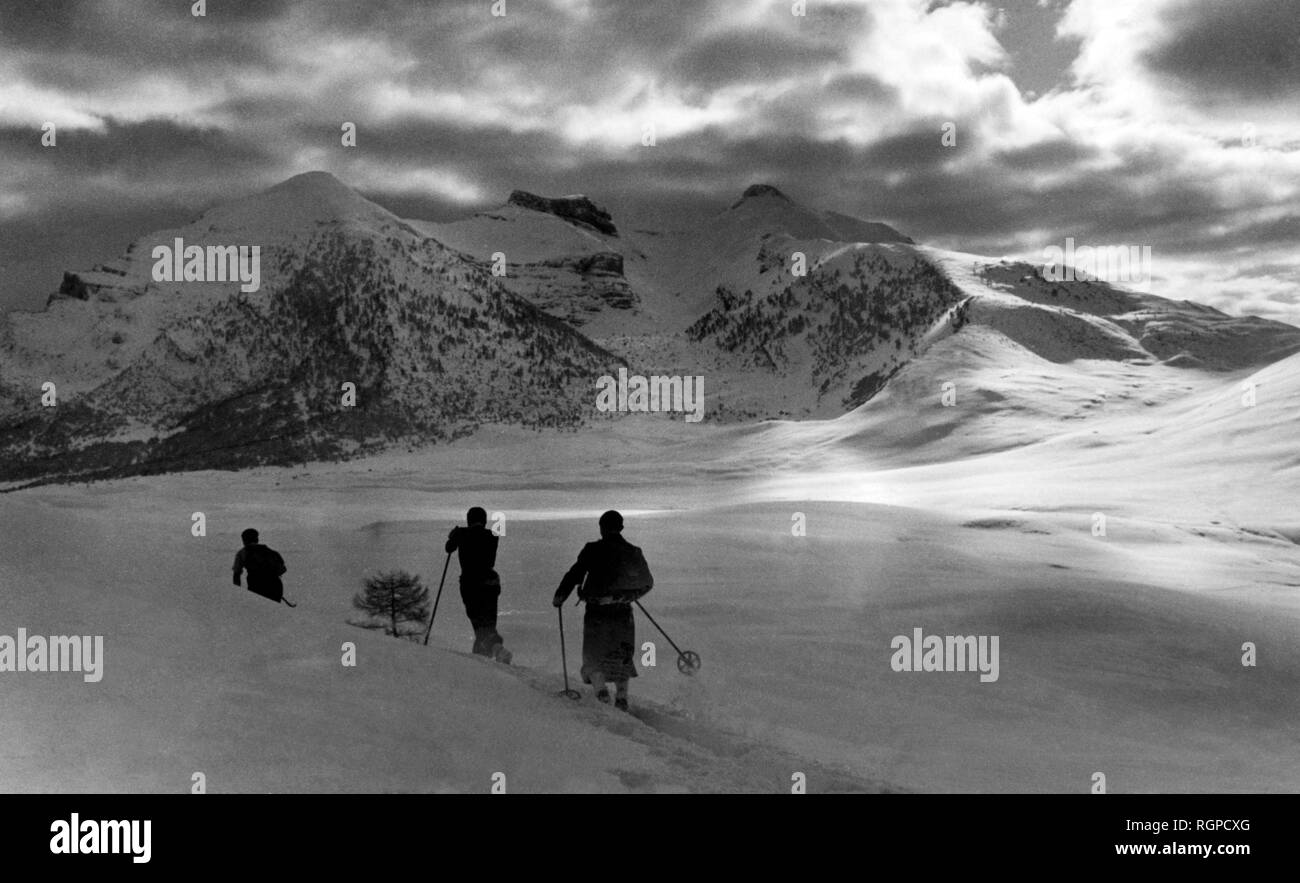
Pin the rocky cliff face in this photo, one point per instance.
(574, 288)
(576, 209)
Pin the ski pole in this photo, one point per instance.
(688, 661)
(564, 660)
(438, 598)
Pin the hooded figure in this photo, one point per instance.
(612, 573)
(480, 587)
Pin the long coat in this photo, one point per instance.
(612, 574)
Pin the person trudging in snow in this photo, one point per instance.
(479, 584)
(616, 574)
(264, 566)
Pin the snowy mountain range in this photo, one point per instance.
(369, 331)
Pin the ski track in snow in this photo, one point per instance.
(715, 759)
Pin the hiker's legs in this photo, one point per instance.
(607, 644)
(488, 620)
(481, 608)
(620, 697)
(467, 595)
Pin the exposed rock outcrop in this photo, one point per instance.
(575, 209)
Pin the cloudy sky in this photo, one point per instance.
(1168, 123)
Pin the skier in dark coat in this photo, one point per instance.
(476, 548)
(264, 566)
(616, 574)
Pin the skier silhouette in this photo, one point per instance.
(615, 574)
(480, 587)
(264, 566)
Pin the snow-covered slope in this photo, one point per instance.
(570, 269)
(1120, 653)
(1064, 321)
(201, 676)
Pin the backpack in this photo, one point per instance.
(633, 575)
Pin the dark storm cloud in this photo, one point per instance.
(1001, 205)
(414, 142)
(51, 25)
(242, 11)
(720, 165)
(589, 50)
(1059, 153)
(280, 107)
(861, 87)
(917, 151)
(68, 41)
(1244, 48)
(746, 57)
(424, 206)
(494, 104)
(1278, 232)
(138, 151)
(1268, 270)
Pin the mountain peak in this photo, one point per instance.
(576, 209)
(764, 208)
(318, 189)
(314, 180)
(756, 190)
(304, 201)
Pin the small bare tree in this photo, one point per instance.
(396, 596)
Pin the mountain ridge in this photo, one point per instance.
(790, 312)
